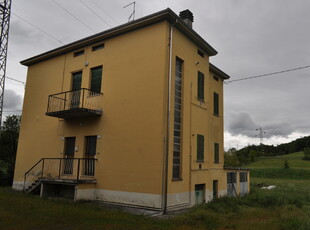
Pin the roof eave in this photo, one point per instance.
(166, 14)
(218, 72)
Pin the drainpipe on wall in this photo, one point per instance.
(166, 157)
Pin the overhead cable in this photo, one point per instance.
(268, 74)
(73, 16)
(95, 13)
(46, 33)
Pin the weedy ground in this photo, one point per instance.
(286, 207)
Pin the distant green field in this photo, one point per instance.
(295, 161)
(273, 167)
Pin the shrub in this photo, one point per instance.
(307, 154)
(286, 165)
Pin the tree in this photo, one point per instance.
(8, 148)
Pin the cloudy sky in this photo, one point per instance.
(253, 37)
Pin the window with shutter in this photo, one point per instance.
(200, 86)
(200, 148)
(96, 76)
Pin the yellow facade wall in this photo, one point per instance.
(130, 147)
(132, 130)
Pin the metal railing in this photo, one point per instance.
(61, 169)
(75, 99)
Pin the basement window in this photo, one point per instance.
(200, 53)
(78, 53)
(97, 47)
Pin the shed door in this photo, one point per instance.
(199, 194)
(243, 183)
(215, 189)
(232, 184)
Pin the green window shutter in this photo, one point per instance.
(216, 104)
(200, 86)
(200, 147)
(216, 153)
(96, 76)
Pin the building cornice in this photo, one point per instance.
(164, 15)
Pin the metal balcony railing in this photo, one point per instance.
(70, 170)
(75, 104)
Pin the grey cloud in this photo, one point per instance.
(12, 101)
(243, 123)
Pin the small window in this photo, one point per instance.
(216, 78)
(231, 178)
(216, 153)
(215, 104)
(97, 47)
(243, 177)
(78, 53)
(200, 53)
(200, 148)
(200, 86)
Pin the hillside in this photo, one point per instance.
(273, 167)
(295, 161)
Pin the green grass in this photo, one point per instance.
(22, 211)
(295, 161)
(273, 167)
(286, 207)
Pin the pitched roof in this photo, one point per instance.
(218, 72)
(166, 14)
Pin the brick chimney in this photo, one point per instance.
(187, 17)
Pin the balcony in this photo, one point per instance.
(60, 170)
(75, 104)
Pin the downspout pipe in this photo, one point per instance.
(166, 158)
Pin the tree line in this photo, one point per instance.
(247, 154)
(9, 133)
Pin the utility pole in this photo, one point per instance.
(261, 134)
(5, 13)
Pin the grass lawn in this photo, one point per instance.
(295, 161)
(287, 207)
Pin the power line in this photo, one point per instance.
(105, 12)
(46, 33)
(94, 13)
(73, 16)
(268, 74)
(16, 80)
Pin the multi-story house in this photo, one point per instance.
(130, 116)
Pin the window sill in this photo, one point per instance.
(200, 100)
(200, 161)
(216, 115)
(176, 179)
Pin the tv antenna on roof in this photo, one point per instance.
(133, 12)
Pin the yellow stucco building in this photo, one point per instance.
(130, 116)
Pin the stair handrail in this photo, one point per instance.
(25, 175)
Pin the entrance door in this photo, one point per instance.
(199, 194)
(215, 189)
(68, 155)
(76, 89)
(90, 152)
